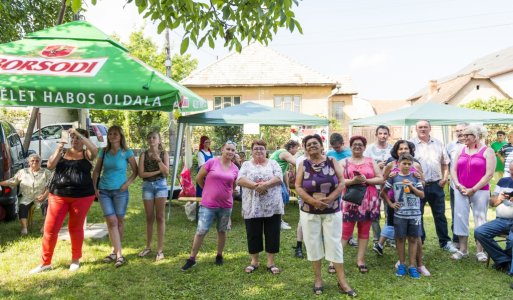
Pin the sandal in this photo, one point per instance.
(350, 293)
(160, 256)
(274, 270)
(363, 269)
(331, 269)
(317, 290)
(250, 269)
(109, 258)
(120, 261)
(145, 252)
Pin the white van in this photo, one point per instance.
(49, 135)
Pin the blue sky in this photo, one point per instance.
(390, 48)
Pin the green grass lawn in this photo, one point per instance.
(142, 278)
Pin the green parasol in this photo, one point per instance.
(75, 65)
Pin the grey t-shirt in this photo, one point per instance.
(410, 203)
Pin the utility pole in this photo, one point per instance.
(171, 124)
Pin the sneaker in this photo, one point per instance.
(378, 249)
(298, 252)
(40, 269)
(481, 257)
(450, 248)
(219, 260)
(353, 243)
(188, 264)
(74, 266)
(391, 243)
(458, 255)
(397, 264)
(424, 271)
(24, 231)
(285, 226)
(401, 270)
(413, 273)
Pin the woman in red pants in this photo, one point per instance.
(71, 192)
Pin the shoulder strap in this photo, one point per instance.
(347, 167)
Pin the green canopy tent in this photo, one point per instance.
(436, 114)
(75, 65)
(245, 113)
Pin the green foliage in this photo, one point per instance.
(138, 123)
(234, 21)
(19, 17)
(493, 105)
(274, 136)
(18, 117)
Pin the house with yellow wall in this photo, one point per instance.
(265, 76)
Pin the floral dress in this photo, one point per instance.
(255, 205)
(369, 209)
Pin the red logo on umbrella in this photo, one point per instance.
(184, 102)
(57, 51)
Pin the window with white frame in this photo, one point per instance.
(337, 110)
(225, 101)
(288, 102)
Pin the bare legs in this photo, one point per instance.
(155, 211)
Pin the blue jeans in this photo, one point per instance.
(206, 216)
(114, 202)
(435, 196)
(486, 233)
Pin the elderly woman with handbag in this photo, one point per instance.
(319, 182)
(361, 175)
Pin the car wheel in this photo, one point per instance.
(10, 212)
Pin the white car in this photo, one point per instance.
(49, 135)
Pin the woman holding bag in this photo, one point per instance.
(109, 176)
(360, 170)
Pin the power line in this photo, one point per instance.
(316, 43)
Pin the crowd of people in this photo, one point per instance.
(337, 189)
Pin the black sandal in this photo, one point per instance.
(317, 290)
(110, 258)
(120, 261)
(363, 269)
(350, 293)
(331, 269)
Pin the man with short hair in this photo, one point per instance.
(502, 198)
(453, 148)
(496, 146)
(379, 152)
(434, 160)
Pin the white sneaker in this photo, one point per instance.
(40, 269)
(424, 271)
(285, 226)
(450, 248)
(481, 257)
(74, 266)
(459, 255)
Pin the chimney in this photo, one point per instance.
(433, 88)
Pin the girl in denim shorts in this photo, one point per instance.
(111, 188)
(153, 169)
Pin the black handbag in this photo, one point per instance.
(99, 174)
(355, 192)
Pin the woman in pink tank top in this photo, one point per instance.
(472, 171)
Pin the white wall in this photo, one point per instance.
(505, 82)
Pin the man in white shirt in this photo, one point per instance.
(454, 148)
(379, 152)
(433, 157)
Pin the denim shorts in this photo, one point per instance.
(154, 189)
(407, 227)
(114, 202)
(206, 216)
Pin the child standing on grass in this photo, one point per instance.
(407, 217)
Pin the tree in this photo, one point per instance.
(20, 17)
(494, 105)
(234, 21)
(139, 123)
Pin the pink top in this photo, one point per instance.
(471, 168)
(217, 192)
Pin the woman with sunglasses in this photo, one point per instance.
(472, 171)
(217, 179)
(71, 193)
(262, 205)
(32, 186)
